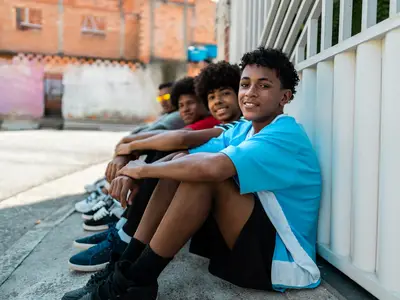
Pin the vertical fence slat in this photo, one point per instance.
(366, 154)
(307, 108)
(389, 192)
(323, 144)
(293, 107)
(342, 151)
(345, 19)
(312, 37)
(369, 13)
(271, 12)
(326, 24)
(394, 7)
(261, 18)
(235, 32)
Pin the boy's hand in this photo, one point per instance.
(115, 165)
(120, 187)
(132, 169)
(123, 149)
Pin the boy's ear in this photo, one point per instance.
(286, 97)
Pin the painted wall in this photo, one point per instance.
(109, 93)
(21, 87)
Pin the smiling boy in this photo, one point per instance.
(217, 86)
(260, 184)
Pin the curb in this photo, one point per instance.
(19, 125)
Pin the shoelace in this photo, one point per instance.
(100, 276)
(103, 212)
(91, 197)
(99, 205)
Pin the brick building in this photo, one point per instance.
(136, 30)
(59, 33)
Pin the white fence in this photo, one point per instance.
(349, 103)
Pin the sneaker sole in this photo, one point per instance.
(94, 228)
(87, 217)
(81, 268)
(82, 246)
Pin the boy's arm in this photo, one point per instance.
(175, 140)
(199, 167)
(140, 136)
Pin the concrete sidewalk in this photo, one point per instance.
(35, 266)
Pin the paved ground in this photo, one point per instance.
(33, 157)
(45, 174)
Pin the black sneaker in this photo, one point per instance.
(118, 287)
(95, 280)
(107, 203)
(103, 217)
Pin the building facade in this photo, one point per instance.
(50, 38)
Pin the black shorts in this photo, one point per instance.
(249, 263)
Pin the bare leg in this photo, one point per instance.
(156, 208)
(190, 207)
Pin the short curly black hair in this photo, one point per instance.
(165, 85)
(184, 86)
(273, 59)
(216, 76)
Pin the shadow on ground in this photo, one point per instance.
(15, 221)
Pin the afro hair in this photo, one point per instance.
(184, 86)
(273, 59)
(216, 76)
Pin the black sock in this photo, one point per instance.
(133, 251)
(147, 267)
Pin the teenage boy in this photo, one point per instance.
(260, 184)
(217, 85)
(169, 120)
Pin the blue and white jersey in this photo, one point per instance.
(281, 167)
(230, 125)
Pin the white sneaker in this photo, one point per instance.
(87, 204)
(98, 184)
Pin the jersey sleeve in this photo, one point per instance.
(264, 162)
(216, 144)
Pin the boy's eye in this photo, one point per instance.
(244, 84)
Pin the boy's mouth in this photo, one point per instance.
(221, 110)
(249, 104)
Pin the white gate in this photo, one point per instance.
(349, 102)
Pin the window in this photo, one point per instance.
(93, 25)
(28, 18)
